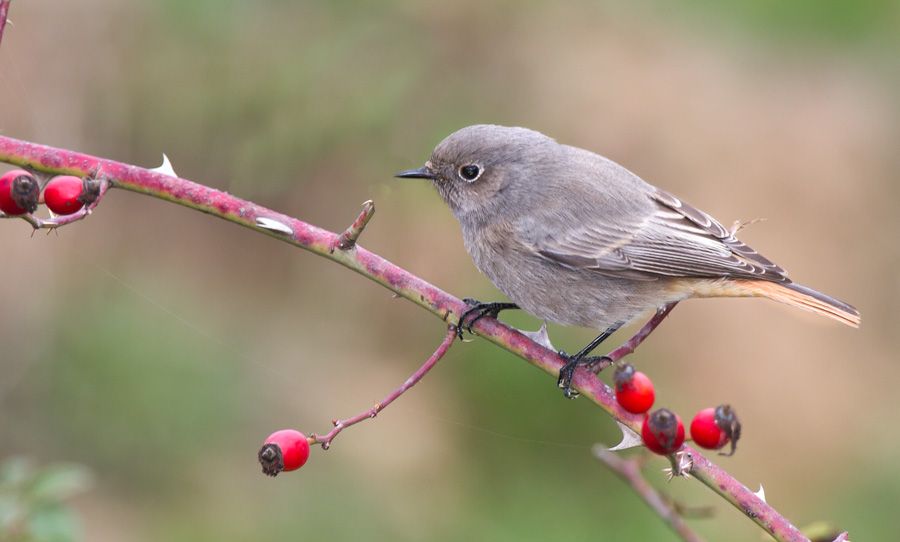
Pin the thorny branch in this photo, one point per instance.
(630, 471)
(401, 282)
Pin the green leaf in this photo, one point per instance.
(59, 482)
(53, 524)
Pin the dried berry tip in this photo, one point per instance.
(90, 192)
(623, 374)
(19, 192)
(271, 459)
(726, 418)
(663, 432)
(25, 192)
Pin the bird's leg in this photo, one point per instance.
(631, 344)
(478, 310)
(568, 370)
(581, 358)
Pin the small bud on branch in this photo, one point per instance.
(348, 239)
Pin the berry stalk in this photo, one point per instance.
(340, 425)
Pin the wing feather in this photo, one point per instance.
(674, 240)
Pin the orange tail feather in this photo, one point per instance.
(804, 298)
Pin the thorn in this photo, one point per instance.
(165, 168)
(761, 494)
(273, 225)
(540, 336)
(682, 463)
(630, 439)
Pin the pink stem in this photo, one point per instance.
(631, 344)
(630, 471)
(742, 498)
(340, 425)
(4, 12)
(396, 279)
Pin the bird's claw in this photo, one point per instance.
(479, 310)
(566, 372)
(595, 364)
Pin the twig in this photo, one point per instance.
(347, 240)
(630, 471)
(396, 279)
(691, 512)
(340, 425)
(631, 344)
(4, 12)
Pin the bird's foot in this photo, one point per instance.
(478, 310)
(595, 364)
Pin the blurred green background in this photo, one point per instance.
(158, 347)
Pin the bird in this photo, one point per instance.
(574, 238)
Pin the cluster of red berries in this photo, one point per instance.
(284, 450)
(662, 430)
(20, 193)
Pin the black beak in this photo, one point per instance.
(422, 173)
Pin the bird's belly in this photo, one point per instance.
(572, 297)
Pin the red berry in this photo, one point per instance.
(705, 432)
(63, 194)
(663, 432)
(712, 428)
(284, 450)
(18, 192)
(634, 389)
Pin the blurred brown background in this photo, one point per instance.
(157, 346)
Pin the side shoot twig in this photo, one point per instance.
(340, 425)
(630, 471)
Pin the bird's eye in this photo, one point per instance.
(470, 172)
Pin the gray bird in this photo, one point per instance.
(574, 238)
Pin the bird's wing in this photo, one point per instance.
(673, 239)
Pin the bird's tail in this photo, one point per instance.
(804, 298)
